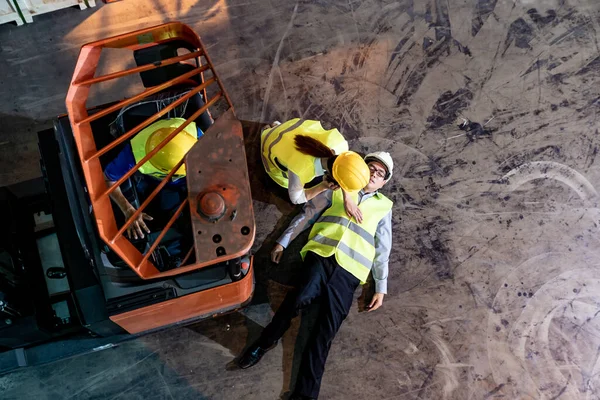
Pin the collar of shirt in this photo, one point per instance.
(319, 171)
(364, 196)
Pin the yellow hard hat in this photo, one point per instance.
(351, 172)
(172, 152)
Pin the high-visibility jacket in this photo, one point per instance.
(352, 244)
(279, 154)
(138, 144)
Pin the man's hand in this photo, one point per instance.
(352, 208)
(137, 228)
(276, 253)
(376, 302)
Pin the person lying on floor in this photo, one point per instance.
(338, 257)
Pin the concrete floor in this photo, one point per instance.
(494, 284)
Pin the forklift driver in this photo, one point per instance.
(147, 178)
(152, 172)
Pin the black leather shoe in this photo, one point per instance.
(252, 355)
(297, 396)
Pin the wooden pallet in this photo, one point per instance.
(20, 11)
(9, 13)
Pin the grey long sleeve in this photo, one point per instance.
(383, 246)
(311, 211)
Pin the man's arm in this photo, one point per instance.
(137, 228)
(115, 169)
(118, 197)
(383, 246)
(311, 211)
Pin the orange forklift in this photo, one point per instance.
(71, 280)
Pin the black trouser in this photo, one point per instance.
(333, 287)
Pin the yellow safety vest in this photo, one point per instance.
(277, 147)
(138, 144)
(352, 244)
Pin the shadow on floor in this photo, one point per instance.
(19, 146)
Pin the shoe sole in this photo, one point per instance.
(266, 351)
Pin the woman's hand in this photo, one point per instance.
(329, 184)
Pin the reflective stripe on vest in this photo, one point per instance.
(138, 144)
(341, 246)
(352, 244)
(352, 226)
(278, 144)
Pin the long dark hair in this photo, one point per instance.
(312, 147)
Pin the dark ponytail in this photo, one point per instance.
(312, 147)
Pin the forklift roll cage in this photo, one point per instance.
(226, 129)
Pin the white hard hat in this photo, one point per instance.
(384, 158)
